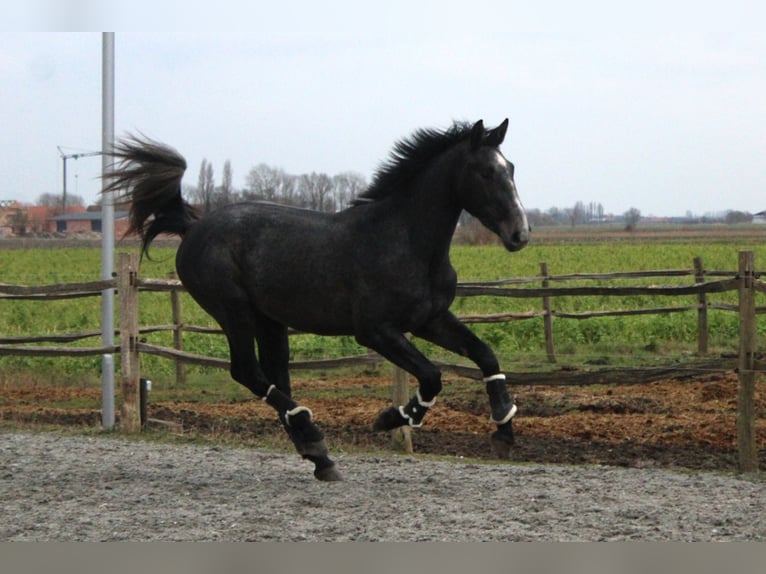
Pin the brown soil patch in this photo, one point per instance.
(690, 423)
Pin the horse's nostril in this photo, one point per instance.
(521, 237)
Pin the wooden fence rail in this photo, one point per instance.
(128, 283)
(60, 291)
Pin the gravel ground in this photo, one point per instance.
(74, 488)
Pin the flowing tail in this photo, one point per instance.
(148, 175)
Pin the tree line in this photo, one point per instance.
(317, 191)
(322, 192)
(579, 214)
(594, 213)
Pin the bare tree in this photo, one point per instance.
(577, 215)
(209, 186)
(227, 188)
(313, 190)
(57, 201)
(595, 212)
(199, 191)
(733, 217)
(19, 222)
(203, 195)
(316, 189)
(265, 182)
(347, 186)
(632, 217)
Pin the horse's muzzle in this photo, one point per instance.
(515, 240)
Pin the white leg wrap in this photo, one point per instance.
(497, 377)
(297, 410)
(410, 420)
(423, 403)
(507, 417)
(266, 396)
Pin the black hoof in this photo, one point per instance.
(388, 419)
(502, 441)
(328, 474)
(324, 468)
(501, 447)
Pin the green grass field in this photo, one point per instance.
(520, 344)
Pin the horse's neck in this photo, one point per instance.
(424, 217)
(430, 213)
(436, 224)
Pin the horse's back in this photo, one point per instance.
(288, 263)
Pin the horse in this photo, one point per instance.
(377, 270)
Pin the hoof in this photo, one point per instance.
(388, 419)
(501, 448)
(502, 441)
(328, 474)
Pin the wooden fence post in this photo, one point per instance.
(127, 286)
(401, 438)
(746, 445)
(547, 317)
(702, 331)
(178, 342)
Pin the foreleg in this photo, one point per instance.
(448, 332)
(395, 347)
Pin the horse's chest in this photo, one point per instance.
(417, 302)
(442, 293)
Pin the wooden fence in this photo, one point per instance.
(128, 283)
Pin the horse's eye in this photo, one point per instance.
(486, 173)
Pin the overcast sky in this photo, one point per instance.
(658, 105)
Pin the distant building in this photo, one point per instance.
(88, 221)
(17, 220)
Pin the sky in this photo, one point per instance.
(654, 105)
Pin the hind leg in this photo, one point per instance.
(206, 271)
(273, 353)
(297, 420)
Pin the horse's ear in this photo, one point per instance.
(477, 135)
(496, 136)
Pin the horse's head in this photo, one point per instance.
(487, 190)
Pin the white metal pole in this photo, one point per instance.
(107, 231)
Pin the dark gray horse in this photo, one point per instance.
(377, 270)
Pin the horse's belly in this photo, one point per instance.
(308, 311)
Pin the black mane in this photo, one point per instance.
(409, 157)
